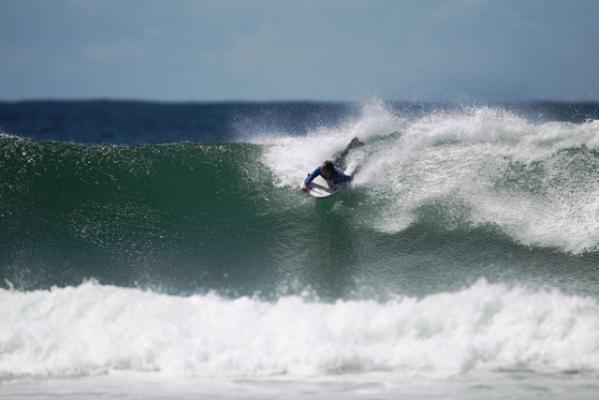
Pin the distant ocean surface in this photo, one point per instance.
(152, 250)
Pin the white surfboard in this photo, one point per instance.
(320, 188)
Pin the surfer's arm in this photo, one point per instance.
(310, 178)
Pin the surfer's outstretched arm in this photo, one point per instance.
(310, 178)
(312, 175)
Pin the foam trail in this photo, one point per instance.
(536, 181)
(91, 328)
(291, 157)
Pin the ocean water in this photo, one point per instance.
(155, 250)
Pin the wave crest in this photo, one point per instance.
(538, 182)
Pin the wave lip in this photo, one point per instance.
(92, 329)
(537, 182)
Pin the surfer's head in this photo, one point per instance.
(327, 168)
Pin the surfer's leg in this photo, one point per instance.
(353, 144)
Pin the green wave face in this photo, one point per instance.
(155, 213)
(187, 217)
(178, 217)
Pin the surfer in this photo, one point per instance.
(329, 172)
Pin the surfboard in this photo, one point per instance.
(320, 188)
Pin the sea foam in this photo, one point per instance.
(93, 329)
(538, 182)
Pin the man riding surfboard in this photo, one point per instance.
(330, 170)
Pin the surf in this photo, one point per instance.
(483, 166)
(462, 256)
(450, 194)
(95, 329)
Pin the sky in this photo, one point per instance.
(186, 50)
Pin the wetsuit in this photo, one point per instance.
(337, 177)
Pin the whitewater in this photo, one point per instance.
(462, 263)
(537, 182)
(473, 334)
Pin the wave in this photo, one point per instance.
(93, 329)
(452, 195)
(538, 182)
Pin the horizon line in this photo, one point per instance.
(107, 99)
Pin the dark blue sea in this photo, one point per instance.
(152, 250)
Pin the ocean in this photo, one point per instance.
(164, 250)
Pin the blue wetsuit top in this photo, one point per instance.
(336, 178)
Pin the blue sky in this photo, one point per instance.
(454, 50)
